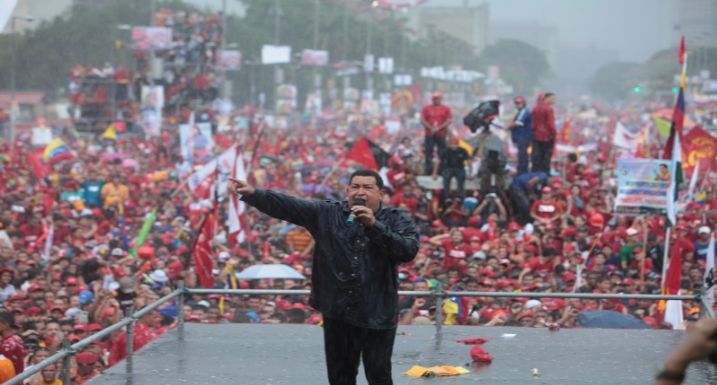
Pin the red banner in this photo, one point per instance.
(203, 252)
(700, 145)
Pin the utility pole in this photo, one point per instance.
(222, 72)
(14, 108)
(152, 11)
(315, 77)
(369, 43)
(277, 22)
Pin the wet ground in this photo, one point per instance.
(293, 355)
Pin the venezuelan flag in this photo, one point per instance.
(56, 151)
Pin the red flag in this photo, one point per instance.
(39, 168)
(368, 154)
(681, 52)
(673, 277)
(700, 145)
(678, 119)
(203, 251)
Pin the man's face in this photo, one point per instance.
(52, 328)
(436, 101)
(48, 373)
(365, 187)
(550, 100)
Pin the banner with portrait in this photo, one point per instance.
(643, 186)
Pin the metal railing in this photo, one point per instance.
(68, 351)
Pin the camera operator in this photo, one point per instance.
(491, 204)
(452, 165)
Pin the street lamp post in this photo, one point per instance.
(13, 102)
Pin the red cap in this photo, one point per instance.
(513, 226)
(547, 190)
(79, 328)
(519, 100)
(86, 358)
(34, 287)
(145, 252)
(436, 95)
(33, 311)
(596, 220)
(526, 314)
(72, 281)
(93, 327)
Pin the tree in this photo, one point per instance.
(616, 80)
(521, 65)
(662, 67)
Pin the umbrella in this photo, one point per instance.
(275, 271)
(609, 320)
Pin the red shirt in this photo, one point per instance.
(455, 253)
(545, 209)
(536, 266)
(13, 348)
(543, 123)
(436, 116)
(409, 203)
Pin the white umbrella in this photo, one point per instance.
(276, 271)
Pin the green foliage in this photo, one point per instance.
(521, 65)
(85, 35)
(616, 80)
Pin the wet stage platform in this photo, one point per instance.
(293, 355)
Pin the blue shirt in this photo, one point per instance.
(92, 192)
(524, 121)
(701, 250)
(521, 181)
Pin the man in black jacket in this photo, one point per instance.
(354, 270)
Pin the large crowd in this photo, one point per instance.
(72, 263)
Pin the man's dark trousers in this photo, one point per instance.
(522, 146)
(460, 175)
(433, 141)
(346, 344)
(542, 154)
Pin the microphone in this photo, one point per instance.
(352, 217)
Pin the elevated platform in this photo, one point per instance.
(293, 355)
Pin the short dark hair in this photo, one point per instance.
(548, 94)
(367, 172)
(7, 317)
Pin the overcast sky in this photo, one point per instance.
(635, 28)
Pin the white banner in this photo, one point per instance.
(275, 54)
(385, 65)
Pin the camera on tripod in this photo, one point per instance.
(482, 116)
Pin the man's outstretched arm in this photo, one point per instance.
(302, 212)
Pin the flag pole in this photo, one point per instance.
(644, 256)
(665, 253)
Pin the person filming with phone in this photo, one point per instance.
(359, 245)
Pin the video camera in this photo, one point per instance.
(482, 116)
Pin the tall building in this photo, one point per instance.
(697, 21)
(39, 10)
(467, 22)
(541, 36)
